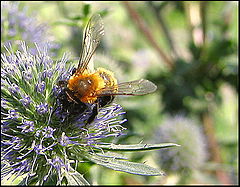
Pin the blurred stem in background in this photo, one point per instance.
(201, 72)
(162, 25)
(214, 148)
(203, 11)
(146, 32)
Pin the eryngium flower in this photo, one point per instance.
(189, 135)
(17, 24)
(37, 139)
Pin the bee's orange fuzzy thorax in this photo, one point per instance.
(86, 85)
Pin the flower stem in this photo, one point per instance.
(214, 148)
(163, 26)
(142, 26)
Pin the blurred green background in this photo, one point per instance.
(190, 50)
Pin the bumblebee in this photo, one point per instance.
(89, 90)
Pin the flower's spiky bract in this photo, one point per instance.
(35, 141)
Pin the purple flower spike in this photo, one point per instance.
(38, 132)
(48, 132)
(65, 140)
(39, 149)
(28, 126)
(26, 100)
(27, 75)
(14, 89)
(3, 103)
(12, 114)
(58, 163)
(47, 73)
(42, 108)
(40, 87)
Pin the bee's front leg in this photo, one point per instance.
(71, 96)
(94, 113)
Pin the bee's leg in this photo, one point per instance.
(71, 96)
(94, 113)
(101, 102)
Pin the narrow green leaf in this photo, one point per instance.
(136, 147)
(68, 23)
(76, 18)
(111, 155)
(75, 178)
(124, 166)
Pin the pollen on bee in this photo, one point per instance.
(86, 85)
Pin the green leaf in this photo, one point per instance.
(75, 178)
(76, 18)
(111, 155)
(67, 23)
(124, 166)
(86, 9)
(136, 147)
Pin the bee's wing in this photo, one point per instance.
(137, 87)
(91, 38)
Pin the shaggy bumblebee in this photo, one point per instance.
(88, 90)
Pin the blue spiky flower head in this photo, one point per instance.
(189, 134)
(37, 140)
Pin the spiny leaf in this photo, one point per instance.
(124, 166)
(137, 147)
(111, 155)
(75, 178)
